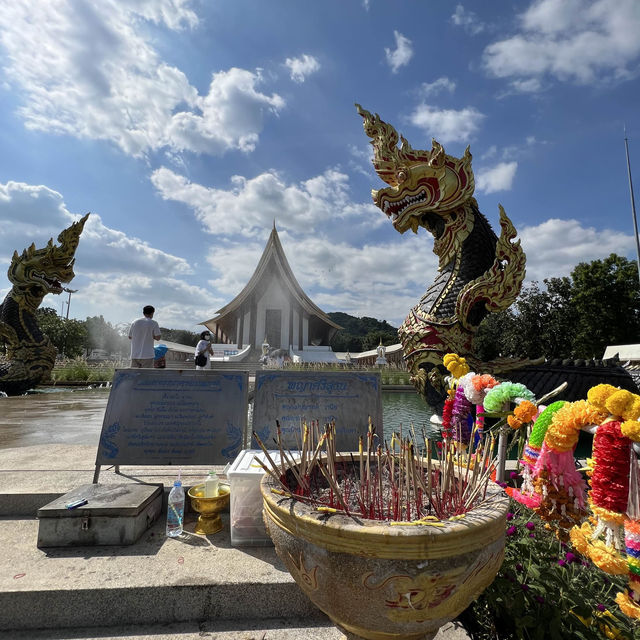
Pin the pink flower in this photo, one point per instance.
(530, 526)
(509, 516)
(511, 530)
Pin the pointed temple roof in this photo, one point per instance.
(273, 254)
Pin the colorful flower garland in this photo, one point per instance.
(560, 486)
(526, 494)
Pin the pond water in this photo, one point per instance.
(75, 417)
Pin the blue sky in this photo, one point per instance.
(188, 126)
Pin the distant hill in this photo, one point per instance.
(361, 334)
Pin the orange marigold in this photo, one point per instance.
(628, 606)
(514, 422)
(566, 423)
(580, 538)
(526, 411)
(608, 559)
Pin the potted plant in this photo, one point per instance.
(387, 542)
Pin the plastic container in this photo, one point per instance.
(211, 484)
(245, 509)
(175, 510)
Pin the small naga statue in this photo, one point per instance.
(30, 355)
(478, 272)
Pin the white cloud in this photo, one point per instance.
(468, 20)
(437, 86)
(114, 272)
(447, 125)
(584, 41)
(498, 178)
(300, 68)
(556, 246)
(337, 275)
(113, 85)
(400, 56)
(252, 204)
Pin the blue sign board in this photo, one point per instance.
(174, 417)
(346, 397)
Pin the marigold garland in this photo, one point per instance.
(563, 432)
(631, 430)
(523, 413)
(624, 404)
(604, 556)
(455, 364)
(597, 396)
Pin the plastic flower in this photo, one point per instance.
(476, 386)
(624, 404)
(597, 396)
(455, 364)
(563, 432)
(523, 413)
(631, 429)
(503, 393)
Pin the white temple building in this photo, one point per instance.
(274, 311)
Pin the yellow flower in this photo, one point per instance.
(625, 404)
(631, 429)
(628, 606)
(456, 365)
(598, 395)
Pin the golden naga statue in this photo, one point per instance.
(478, 272)
(30, 356)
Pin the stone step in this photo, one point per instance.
(246, 629)
(156, 580)
(189, 588)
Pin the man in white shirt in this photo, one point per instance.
(142, 333)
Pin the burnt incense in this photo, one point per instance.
(396, 481)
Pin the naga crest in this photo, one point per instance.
(36, 272)
(421, 181)
(478, 272)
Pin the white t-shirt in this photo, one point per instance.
(142, 333)
(202, 347)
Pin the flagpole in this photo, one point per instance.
(633, 202)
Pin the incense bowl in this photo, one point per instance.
(209, 520)
(378, 580)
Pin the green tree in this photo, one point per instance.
(181, 336)
(606, 298)
(571, 317)
(360, 334)
(67, 336)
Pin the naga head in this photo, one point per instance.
(36, 272)
(421, 182)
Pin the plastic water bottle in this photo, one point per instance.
(175, 510)
(211, 485)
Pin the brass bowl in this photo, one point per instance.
(209, 520)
